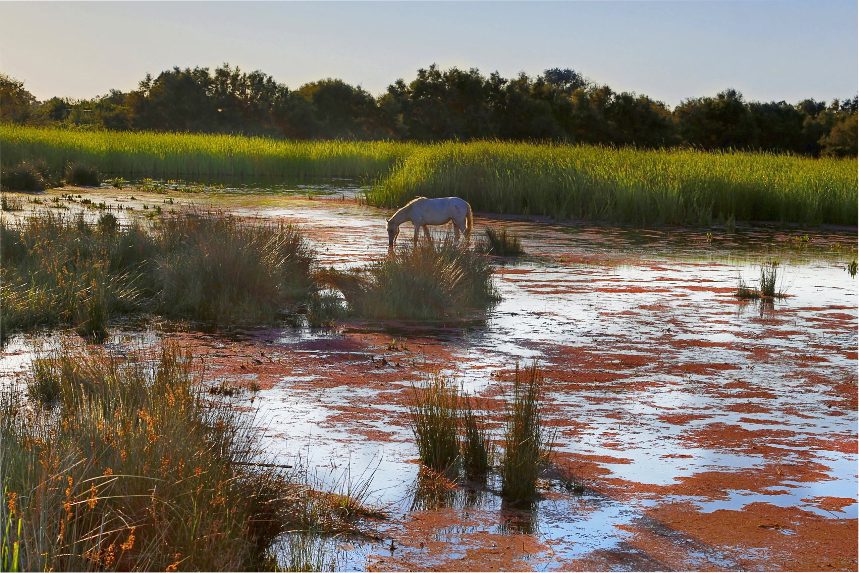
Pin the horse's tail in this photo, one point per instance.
(469, 221)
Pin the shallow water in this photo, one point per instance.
(666, 391)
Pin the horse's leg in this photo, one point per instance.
(427, 234)
(417, 230)
(455, 232)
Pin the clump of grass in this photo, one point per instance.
(429, 281)
(25, 176)
(768, 285)
(525, 447)
(476, 444)
(81, 174)
(222, 271)
(852, 267)
(58, 270)
(11, 203)
(117, 182)
(136, 467)
(502, 243)
(44, 383)
(435, 423)
(323, 309)
(769, 277)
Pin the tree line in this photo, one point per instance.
(559, 105)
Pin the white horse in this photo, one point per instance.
(422, 212)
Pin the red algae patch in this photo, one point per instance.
(763, 534)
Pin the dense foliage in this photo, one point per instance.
(559, 105)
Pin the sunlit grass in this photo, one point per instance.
(129, 464)
(627, 185)
(195, 156)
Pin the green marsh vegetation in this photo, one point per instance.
(768, 288)
(127, 464)
(502, 243)
(629, 186)
(583, 182)
(196, 265)
(452, 441)
(136, 155)
(526, 447)
(431, 281)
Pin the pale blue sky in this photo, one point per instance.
(767, 49)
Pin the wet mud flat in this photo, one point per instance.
(693, 430)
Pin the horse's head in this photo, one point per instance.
(393, 231)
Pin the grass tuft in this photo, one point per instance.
(435, 424)
(11, 203)
(525, 447)
(502, 243)
(202, 266)
(430, 281)
(768, 286)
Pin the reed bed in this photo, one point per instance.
(135, 155)
(627, 185)
(201, 266)
(430, 281)
(128, 464)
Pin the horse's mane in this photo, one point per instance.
(413, 201)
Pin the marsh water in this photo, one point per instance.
(690, 429)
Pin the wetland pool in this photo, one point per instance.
(708, 432)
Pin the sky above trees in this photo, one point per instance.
(767, 49)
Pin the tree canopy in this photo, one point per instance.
(559, 105)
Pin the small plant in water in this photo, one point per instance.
(502, 243)
(852, 268)
(525, 447)
(768, 288)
